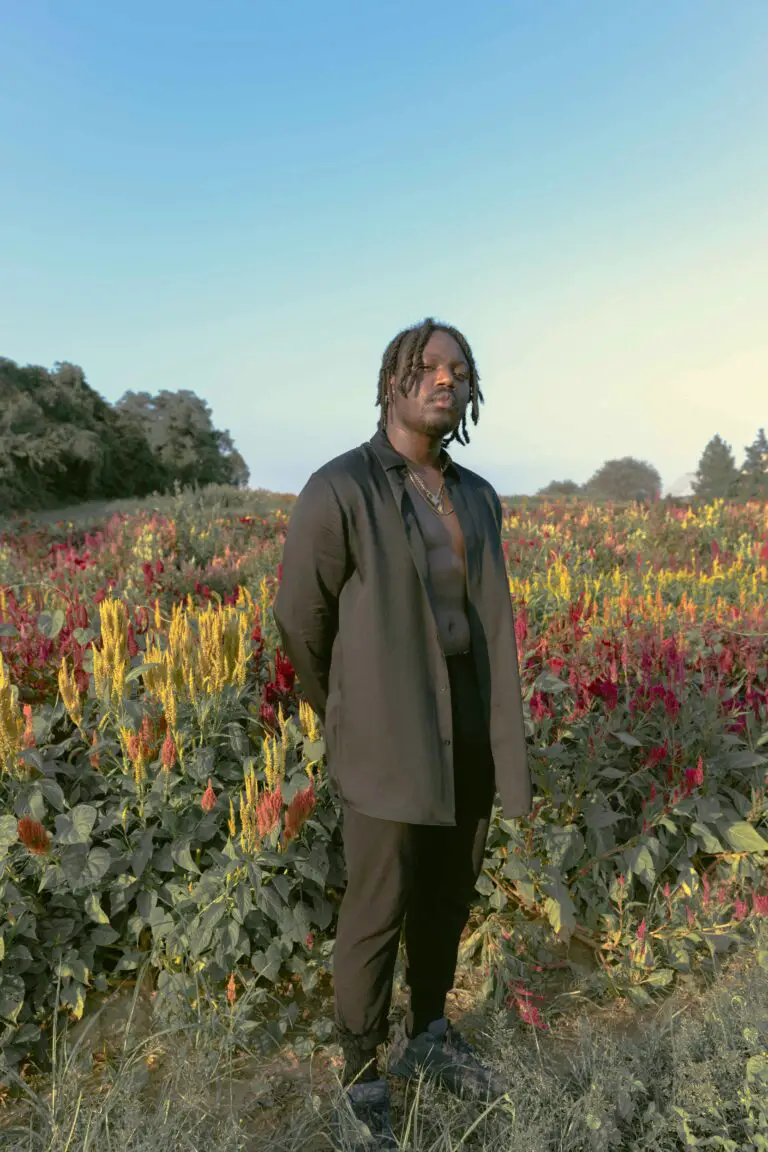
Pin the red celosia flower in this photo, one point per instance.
(208, 801)
(606, 690)
(168, 754)
(641, 930)
(539, 706)
(309, 940)
(33, 836)
(298, 812)
(694, 777)
(267, 714)
(655, 756)
(285, 676)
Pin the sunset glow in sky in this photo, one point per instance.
(250, 199)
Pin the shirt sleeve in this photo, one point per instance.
(315, 569)
(497, 510)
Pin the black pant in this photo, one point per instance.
(422, 876)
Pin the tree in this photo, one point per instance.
(624, 479)
(560, 488)
(752, 482)
(180, 431)
(717, 473)
(61, 442)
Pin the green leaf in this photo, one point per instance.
(560, 909)
(640, 863)
(514, 868)
(745, 759)
(706, 838)
(183, 857)
(743, 837)
(75, 827)
(95, 910)
(53, 794)
(548, 682)
(628, 739)
(757, 1071)
(9, 833)
(565, 845)
(600, 816)
(315, 866)
(661, 977)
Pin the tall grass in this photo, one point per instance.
(692, 1073)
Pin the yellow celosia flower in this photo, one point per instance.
(110, 664)
(69, 692)
(11, 722)
(308, 721)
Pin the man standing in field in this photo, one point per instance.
(394, 609)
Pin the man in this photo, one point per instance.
(394, 609)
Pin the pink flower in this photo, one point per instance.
(740, 909)
(641, 930)
(539, 707)
(760, 904)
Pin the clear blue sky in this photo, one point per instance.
(249, 199)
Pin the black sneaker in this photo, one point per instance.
(362, 1121)
(443, 1055)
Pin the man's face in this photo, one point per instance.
(440, 393)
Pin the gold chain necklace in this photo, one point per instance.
(436, 502)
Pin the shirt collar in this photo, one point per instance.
(390, 458)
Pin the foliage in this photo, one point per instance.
(717, 473)
(560, 488)
(180, 432)
(753, 474)
(624, 479)
(61, 442)
(162, 796)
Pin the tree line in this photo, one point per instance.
(62, 443)
(717, 476)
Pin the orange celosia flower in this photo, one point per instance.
(231, 989)
(208, 801)
(168, 754)
(298, 812)
(28, 739)
(33, 836)
(268, 809)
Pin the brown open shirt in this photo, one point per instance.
(356, 621)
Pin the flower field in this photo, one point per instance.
(163, 795)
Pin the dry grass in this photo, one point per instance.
(604, 1079)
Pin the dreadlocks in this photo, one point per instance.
(402, 359)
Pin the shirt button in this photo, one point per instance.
(444, 688)
(447, 740)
